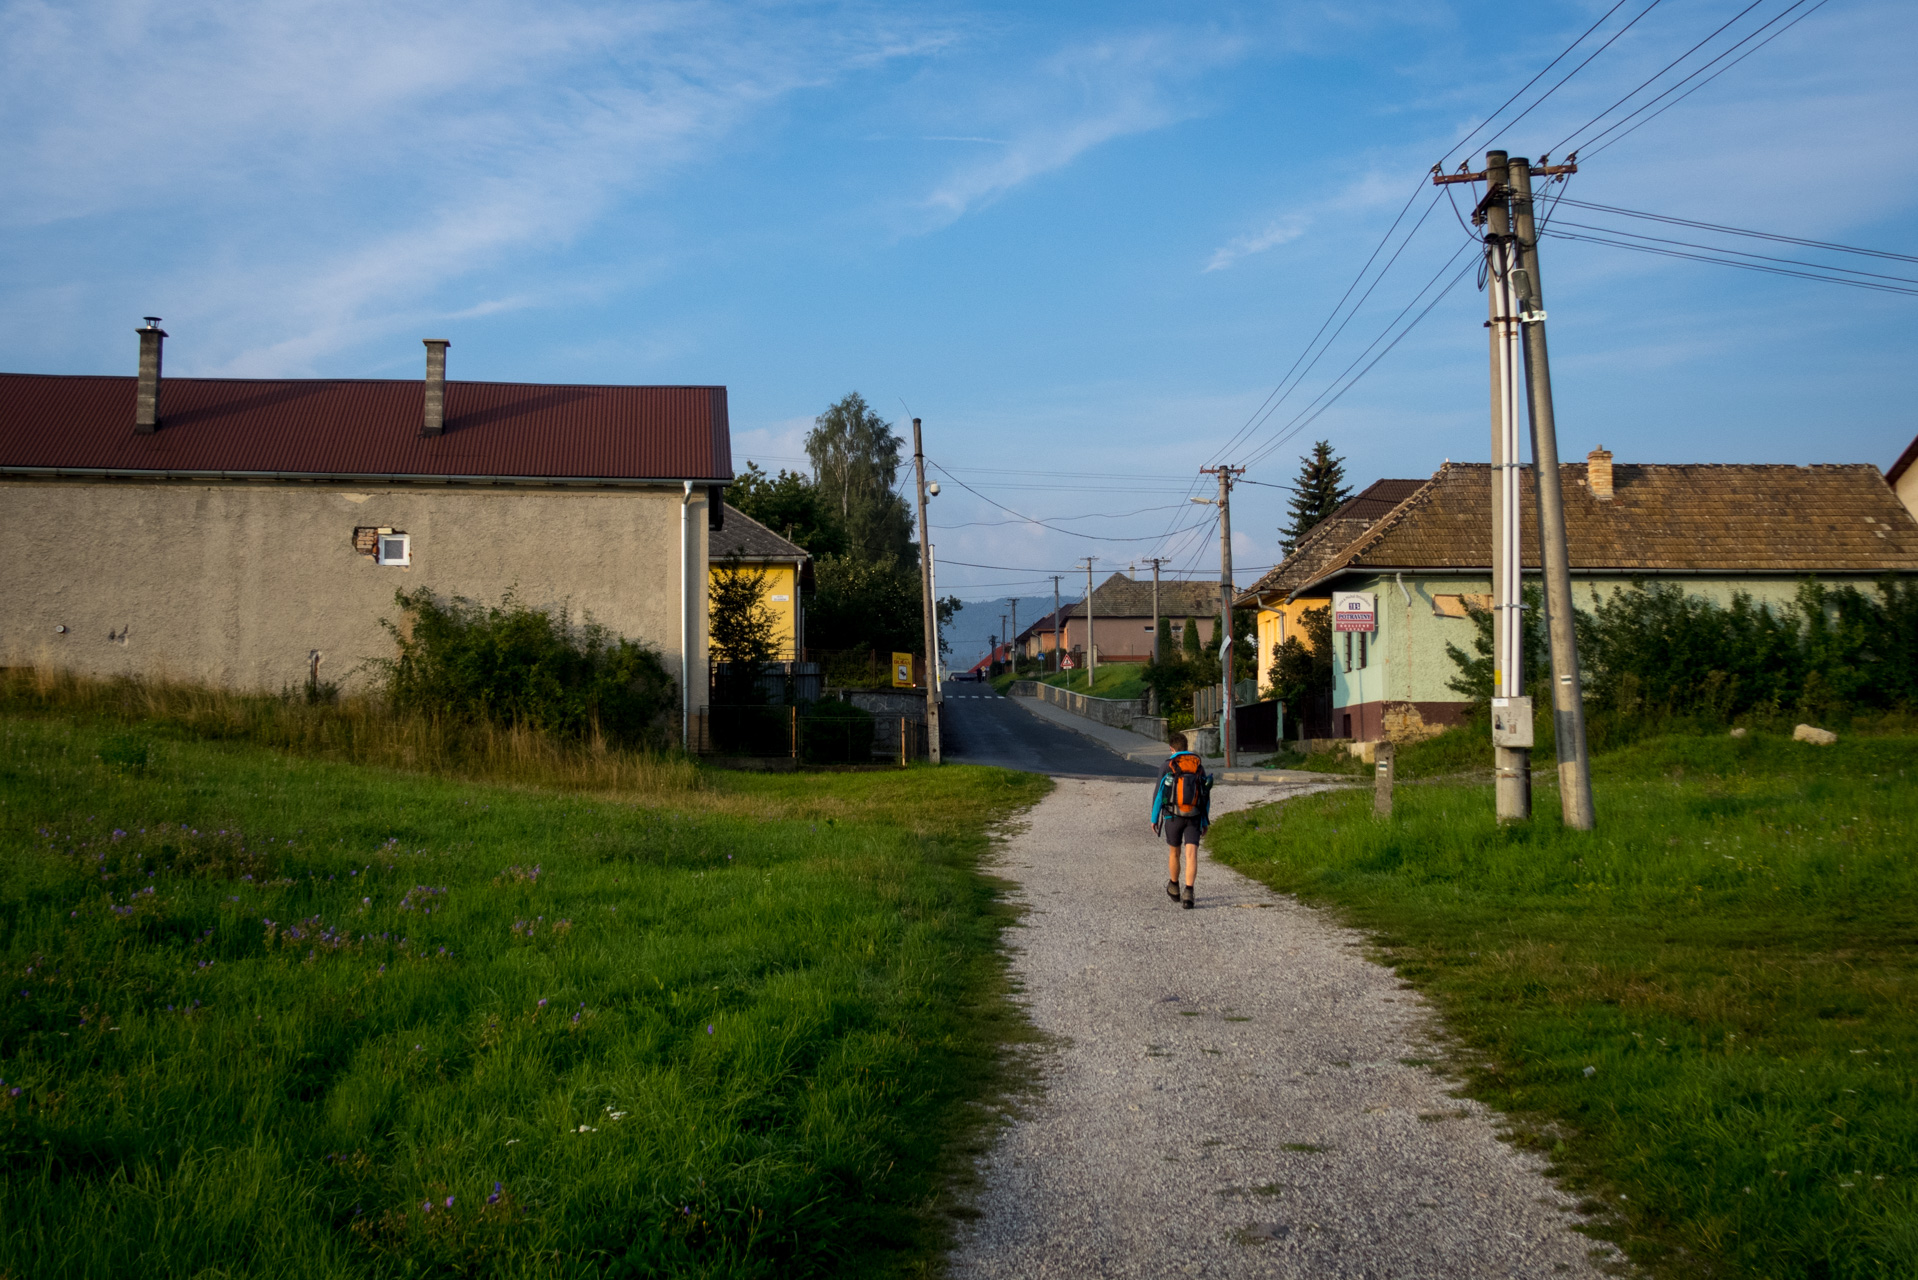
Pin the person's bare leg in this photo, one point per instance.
(1191, 864)
(1172, 862)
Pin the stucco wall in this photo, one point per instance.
(235, 583)
(1907, 490)
(1278, 621)
(1125, 637)
(1406, 657)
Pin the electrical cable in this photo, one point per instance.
(1739, 231)
(1465, 142)
(1747, 38)
(1539, 101)
(1097, 515)
(1708, 79)
(1726, 262)
(1560, 144)
(1708, 248)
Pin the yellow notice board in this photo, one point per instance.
(902, 671)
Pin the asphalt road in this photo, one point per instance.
(982, 727)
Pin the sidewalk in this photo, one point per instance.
(1138, 747)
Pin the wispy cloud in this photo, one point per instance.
(1284, 231)
(1072, 101)
(319, 172)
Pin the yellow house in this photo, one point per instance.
(1279, 614)
(787, 567)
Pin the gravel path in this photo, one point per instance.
(1228, 1091)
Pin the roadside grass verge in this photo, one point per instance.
(1732, 952)
(272, 1015)
(1114, 680)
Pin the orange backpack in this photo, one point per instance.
(1187, 792)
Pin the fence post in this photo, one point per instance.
(1382, 780)
(795, 713)
(902, 742)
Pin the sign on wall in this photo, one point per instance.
(902, 670)
(1355, 611)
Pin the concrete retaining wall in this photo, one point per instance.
(1116, 712)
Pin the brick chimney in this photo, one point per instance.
(1598, 474)
(146, 405)
(435, 420)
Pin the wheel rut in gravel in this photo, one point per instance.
(1234, 1090)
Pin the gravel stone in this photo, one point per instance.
(1233, 1090)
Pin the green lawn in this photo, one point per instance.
(1731, 954)
(274, 1016)
(1113, 680)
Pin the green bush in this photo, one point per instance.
(524, 667)
(835, 733)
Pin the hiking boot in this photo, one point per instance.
(1172, 890)
(1187, 904)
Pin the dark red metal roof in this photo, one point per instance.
(365, 429)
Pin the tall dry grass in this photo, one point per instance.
(359, 729)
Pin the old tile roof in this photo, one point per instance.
(1330, 536)
(363, 429)
(1702, 518)
(751, 541)
(1123, 597)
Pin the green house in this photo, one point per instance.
(1715, 529)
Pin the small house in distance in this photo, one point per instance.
(786, 568)
(250, 533)
(1712, 529)
(1121, 622)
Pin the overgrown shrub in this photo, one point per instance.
(523, 667)
(1651, 652)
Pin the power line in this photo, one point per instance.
(1030, 519)
(1539, 101)
(1708, 79)
(1465, 143)
(1560, 144)
(1818, 266)
(1747, 38)
(1737, 231)
(1726, 262)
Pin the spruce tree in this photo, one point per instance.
(1321, 491)
(1190, 640)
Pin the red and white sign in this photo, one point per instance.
(1355, 611)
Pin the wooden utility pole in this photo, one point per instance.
(1568, 699)
(929, 615)
(1152, 695)
(1228, 720)
(1014, 633)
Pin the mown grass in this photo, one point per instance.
(277, 1016)
(1731, 953)
(1113, 680)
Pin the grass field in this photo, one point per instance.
(1704, 1010)
(1113, 680)
(277, 1016)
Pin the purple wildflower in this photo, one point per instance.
(426, 1206)
(449, 1202)
(542, 1004)
(709, 1028)
(494, 1198)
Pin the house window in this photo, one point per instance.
(395, 548)
(1362, 638)
(1355, 662)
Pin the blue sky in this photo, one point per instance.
(1082, 242)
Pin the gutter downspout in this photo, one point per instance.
(685, 625)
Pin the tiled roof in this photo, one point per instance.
(1324, 541)
(355, 429)
(1123, 597)
(1703, 518)
(751, 541)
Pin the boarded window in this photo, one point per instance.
(1459, 606)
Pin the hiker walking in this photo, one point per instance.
(1181, 811)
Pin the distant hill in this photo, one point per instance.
(967, 635)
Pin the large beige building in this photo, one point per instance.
(247, 533)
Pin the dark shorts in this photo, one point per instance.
(1180, 830)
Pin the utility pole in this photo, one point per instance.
(1228, 721)
(1092, 661)
(1055, 621)
(1152, 695)
(930, 616)
(1568, 698)
(1513, 299)
(1014, 633)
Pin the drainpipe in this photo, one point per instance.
(685, 624)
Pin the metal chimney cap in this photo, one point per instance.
(153, 322)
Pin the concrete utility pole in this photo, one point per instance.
(1512, 762)
(1568, 697)
(1092, 662)
(930, 616)
(1152, 695)
(1515, 301)
(1055, 622)
(1014, 633)
(1228, 720)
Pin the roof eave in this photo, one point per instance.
(124, 473)
(1380, 571)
